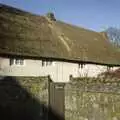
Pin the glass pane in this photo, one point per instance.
(43, 63)
(11, 61)
(21, 62)
(17, 61)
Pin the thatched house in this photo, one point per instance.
(32, 45)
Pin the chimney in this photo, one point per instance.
(51, 16)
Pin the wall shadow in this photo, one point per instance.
(16, 103)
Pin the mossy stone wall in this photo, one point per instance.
(24, 98)
(92, 99)
(85, 99)
(36, 86)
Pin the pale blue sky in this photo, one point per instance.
(92, 14)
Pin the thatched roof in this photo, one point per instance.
(25, 34)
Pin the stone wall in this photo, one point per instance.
(36, 86)
(24, 97)
(92, 99)
(85, 99)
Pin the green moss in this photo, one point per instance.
(92, 98)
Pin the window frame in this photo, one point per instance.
(81, 65)
(46, 63)
(17, 61)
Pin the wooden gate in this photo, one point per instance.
(56, 98)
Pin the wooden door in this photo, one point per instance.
(56, 98)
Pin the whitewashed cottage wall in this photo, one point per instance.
(58, 71)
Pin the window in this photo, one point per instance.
(81, 65)
(11, 61)
(16, 61)
(19, 61)
(109, 68)
(43, 63)
(46, 63)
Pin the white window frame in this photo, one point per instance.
(81, 65)
(46, 63)
(17, 62)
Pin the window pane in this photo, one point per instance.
(50, 62)
(81, 65)
(17, 61)
(46, 63)
(43, 63)
(11, 61)
(21, 62)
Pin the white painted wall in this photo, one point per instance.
(58, 71)
(90, 70)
